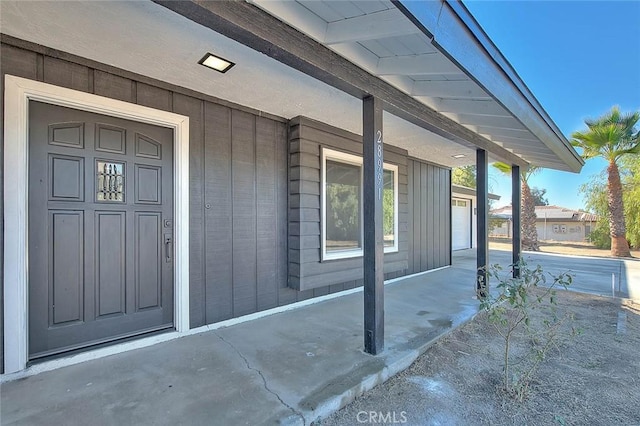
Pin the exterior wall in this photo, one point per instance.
(552, 231)
(306, 269)
(429, 219)
(503, 231)
(561, 231)
(240, 175)
(238, 189)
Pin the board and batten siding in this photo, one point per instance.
(238, 182)
(307, 137)
(254, 192)
(429, 216)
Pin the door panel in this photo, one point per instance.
(148, 265)
(66, 264)
(100, 229)
(110, 264)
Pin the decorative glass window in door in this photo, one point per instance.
(110, 181)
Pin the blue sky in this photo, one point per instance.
(579, 58)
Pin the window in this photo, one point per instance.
(109, 181)
(342, 224)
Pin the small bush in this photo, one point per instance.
(510, 310)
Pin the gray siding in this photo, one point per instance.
(429, 206)
(238, 182)
(244, 184)
(306, 269)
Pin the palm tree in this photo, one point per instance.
(611, 137)
(528, 214)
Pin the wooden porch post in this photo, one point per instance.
(373, 239)
(516, 199)
(482, 193)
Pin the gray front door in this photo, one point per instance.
(100, 229)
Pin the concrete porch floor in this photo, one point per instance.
(286, 368)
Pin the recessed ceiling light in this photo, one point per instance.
(458, 156)
(216, 62)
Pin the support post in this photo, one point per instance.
(482, 194)
(516, 201)
(373, 238)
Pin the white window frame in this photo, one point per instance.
(343, 157)
(393, 168)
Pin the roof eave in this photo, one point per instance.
(454, 30)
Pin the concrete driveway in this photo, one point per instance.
(592, 275)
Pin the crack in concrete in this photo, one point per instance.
(264, 380)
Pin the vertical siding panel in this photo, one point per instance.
(244, 212)
(437, 219)
(410, 226)
(430, 213)
(218, 214)
(417, 217)
(321, 291)
(448, 216)
(152, 97)
(66, 74)
(267, 213)
(304, 295)
(424, 217)
(21, 63)
(18, 62)
(116, 87)
(193, 108)
(336, 288)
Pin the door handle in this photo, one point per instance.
(168, 248)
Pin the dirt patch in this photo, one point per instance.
(560, 247)
(591, 378)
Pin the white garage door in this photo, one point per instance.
(460, 224)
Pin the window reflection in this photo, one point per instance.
(342, 206)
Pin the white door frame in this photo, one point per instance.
(18, 92)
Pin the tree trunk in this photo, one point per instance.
(529, 232)
(617, 226)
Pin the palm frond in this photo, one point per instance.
(609, 136)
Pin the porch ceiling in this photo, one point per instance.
(148, 39)
(436, 52)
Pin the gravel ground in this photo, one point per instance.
(592, 378)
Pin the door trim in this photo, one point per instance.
(18, 92)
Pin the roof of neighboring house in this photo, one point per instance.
(551, 213)
(465, 190)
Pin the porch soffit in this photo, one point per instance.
(148, 39)
(443, 59)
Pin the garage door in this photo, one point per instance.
(461, 224)
(100, 229)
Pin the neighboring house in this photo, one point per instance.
(553, 223)
(463, 217)
(145, 192)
